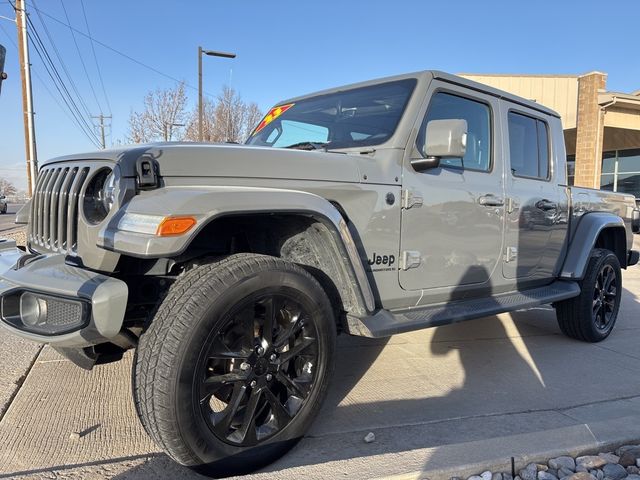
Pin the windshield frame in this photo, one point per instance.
(270, 123)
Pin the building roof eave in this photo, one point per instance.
(623, 100)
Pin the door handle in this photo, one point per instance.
(490, 200)
(546, 205)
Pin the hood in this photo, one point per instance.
(225, 160)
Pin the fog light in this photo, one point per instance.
(44, 314)
(33, 310)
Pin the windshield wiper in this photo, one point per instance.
(308, 146)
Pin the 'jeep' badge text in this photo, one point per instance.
(384, 261)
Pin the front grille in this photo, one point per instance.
(53, 223)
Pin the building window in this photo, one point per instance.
(571, 170)
(621, 171)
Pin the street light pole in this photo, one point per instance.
(210, 53)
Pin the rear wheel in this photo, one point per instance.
(235, 365)
(591, 316)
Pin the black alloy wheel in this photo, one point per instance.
(605, 295)
(257, 371)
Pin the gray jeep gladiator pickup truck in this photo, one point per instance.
(372, 209)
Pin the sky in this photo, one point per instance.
(287, 48)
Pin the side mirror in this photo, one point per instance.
(443, 139)
(3, 75)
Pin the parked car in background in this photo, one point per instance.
(373, 209)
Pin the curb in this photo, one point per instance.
(495, 454)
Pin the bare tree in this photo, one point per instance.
(7, 188)
(253, 117)
(229, 119)
(162, 117)
(208, 128)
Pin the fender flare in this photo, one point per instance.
(207, 204)
(584, 239)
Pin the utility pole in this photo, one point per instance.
(102, 117)
(27, 97)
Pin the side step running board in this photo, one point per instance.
(385, 323)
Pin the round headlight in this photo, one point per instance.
(99, 196)
(108, 192)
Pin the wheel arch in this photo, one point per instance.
(297, 226)
(305, 238)
(594, 230)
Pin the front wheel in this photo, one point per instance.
(591, 315)
(235, 365)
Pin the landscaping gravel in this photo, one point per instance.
(623, 464)
(19, 234)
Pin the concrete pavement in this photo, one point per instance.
(436, 399)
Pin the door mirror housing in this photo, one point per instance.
(443, 139)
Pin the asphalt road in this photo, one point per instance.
(7, 220)
(424, 394)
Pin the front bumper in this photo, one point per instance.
(100, 300)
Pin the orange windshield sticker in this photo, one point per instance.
(274, 113)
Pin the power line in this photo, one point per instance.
(8, 36)
(86, 22)
(51, 67)
(44, 84)
(84, 67)
(64, 66)
(40, 79)
(46, 58)
(128, 57)
(61, 87)
(57, 81)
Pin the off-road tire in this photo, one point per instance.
(576, 315)
(171, 349)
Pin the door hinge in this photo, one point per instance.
(411, 198)
(410, 259)
(511, 254)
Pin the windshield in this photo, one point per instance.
(352, 118)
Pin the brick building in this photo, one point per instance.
(602, 128)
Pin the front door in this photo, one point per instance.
(453, 215)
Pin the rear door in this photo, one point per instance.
(452, 220)
(536, 205)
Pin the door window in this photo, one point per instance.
(528, 147)
(445, 106)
